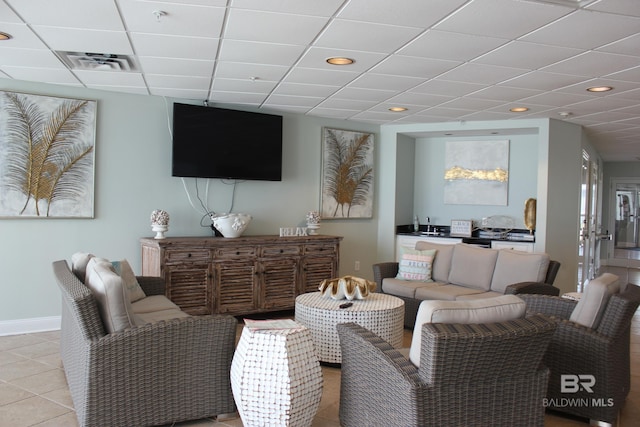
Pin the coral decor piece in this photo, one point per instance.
(347, 287)
(313, 222)
(159, 217)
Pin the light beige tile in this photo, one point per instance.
(51, 359)
(29, 412)
(40, 349)
(61, 396)
(42, 382)
(16, 341)
(10, 393)
(67, 420)
(7, 357)
(23, 368)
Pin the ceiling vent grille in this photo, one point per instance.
(98, 61)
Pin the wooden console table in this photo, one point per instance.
(252, 274)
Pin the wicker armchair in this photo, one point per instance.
(577, 350)
(469, 375)
(154, 374)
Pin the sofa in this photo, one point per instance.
(140, 363)
(434, 271)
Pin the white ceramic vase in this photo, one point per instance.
(159, 229)
(231, 225)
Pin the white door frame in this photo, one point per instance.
(611, 259)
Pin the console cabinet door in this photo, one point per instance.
(189, 286)
(315, 270)
(278, 284)
(236, 285)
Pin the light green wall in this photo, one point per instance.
(133, 177)
(429, 178)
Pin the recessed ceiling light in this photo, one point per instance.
(600, 89)
(339, 60)
(5, 36)
(518, 109)
(398, 109)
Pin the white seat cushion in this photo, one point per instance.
(590, 308)
(472, 266)
(516, 266)
(488, 310)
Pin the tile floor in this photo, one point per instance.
(33, 389)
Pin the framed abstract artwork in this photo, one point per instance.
(476, 173)
(347, 174)
(47, 148)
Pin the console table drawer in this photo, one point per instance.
(237, 252)
(188, 255)
(319, 249)
(280, 250)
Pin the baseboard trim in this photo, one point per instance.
(29, 326)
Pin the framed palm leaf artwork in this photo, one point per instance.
(46, 156)
(347, 174)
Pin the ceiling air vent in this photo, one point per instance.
(98, 61)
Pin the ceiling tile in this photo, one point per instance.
(179, 93)
(412, 13)
(540, 80)
(181, 82)
(240, 70)
(355, 105)
(374, 81)
(334, 113)
(321, 77)
(312, 90)
(8, 15)
(314, 8)
(414, 98)
(626, 46)
(444, 87)
(593, 64)
(22, 37)
(471, 104)
(272, 27)
(531, 56)
(302, 101)
(94, 14)
(237, 97)
(180, 19)
(480, 73)
(622, 7)
(503, 93)
(244, 85)
(501, 18)
(29, 58)
(40, 74)
(452, 46)
(353, 35)
(364, 94)
(107, 78)
(576, 30)
(161, 46)
(411, 66)
(83, 40)
(176, 66)
(259, 53)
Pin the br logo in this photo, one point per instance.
(574, 383)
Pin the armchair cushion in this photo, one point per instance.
(515, 267)
(79, 261)
(113, 301)
(590, 308)
(488, 310)
(415, 264)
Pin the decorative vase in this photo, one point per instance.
(231, 225)
(159, 229)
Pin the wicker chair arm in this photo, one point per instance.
(383, 270)
(369, 362)
(549, 305)
(540, 288)
(151, 285)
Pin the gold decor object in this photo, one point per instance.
(346, 287)
(530, 214)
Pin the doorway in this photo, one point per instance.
(625, 209)
(590, 222)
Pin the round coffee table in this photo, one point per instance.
(382, 314)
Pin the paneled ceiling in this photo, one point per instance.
(443, 60)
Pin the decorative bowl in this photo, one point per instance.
(231, 225)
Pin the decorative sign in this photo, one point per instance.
(461, 227)
(293, 231)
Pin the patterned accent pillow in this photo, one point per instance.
(416, 265)
(124, 270)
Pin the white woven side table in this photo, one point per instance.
(380, 313)
(276, 377)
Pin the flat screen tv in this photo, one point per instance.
(211, 142)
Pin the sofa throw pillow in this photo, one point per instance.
(415, 265)
(124, 270)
